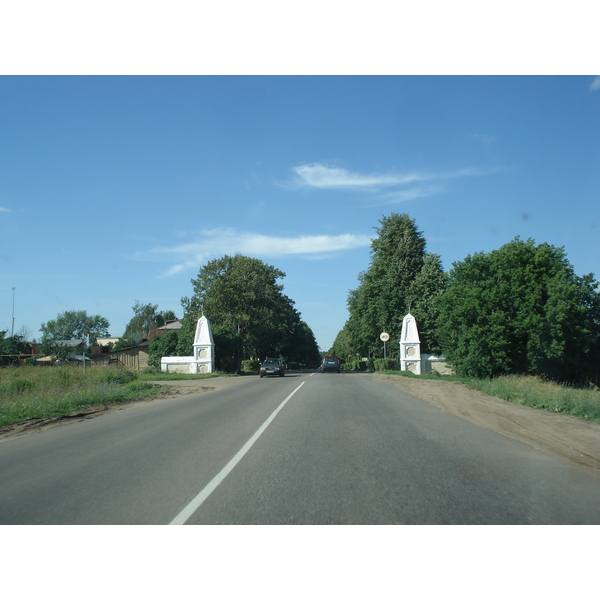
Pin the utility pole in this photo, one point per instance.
(85, 342)
(12, 331)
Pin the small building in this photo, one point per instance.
(134, 358)
(174, 325)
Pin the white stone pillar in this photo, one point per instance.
(204, 348)
(410, 346)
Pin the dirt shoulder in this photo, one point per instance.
(564, 436)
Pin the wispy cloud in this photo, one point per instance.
(217, 242)
(325, 177)
(398, 196)
(3, 209)
(383, 188)
(595, 85)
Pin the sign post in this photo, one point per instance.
(384, 337)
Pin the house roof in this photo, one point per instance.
(69, 343)
(142, 344)
(168, 326)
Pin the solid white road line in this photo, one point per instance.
(187, 512)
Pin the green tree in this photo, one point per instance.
(169, 315)
(70, 325)
(343, 345)
(401, 275)
(228, 346)
(301, 347)
(12, 346)
(162, 345)
(242, 296)
(520, 309)
(145, 318)
(122, 343)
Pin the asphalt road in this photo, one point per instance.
(327, 448)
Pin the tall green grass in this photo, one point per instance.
(32, 392)
(537, 393)
(530, 391)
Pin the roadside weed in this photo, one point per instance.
(39, 392)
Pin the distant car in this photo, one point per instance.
(330, 363)
(272, 366)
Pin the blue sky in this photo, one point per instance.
(117, 189)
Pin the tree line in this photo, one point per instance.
(251, 318)
(520, 309)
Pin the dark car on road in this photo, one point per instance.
(272, 366)
(330, 363)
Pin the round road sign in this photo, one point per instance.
(384, 337)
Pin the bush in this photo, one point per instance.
(356, 365)
(250, 366)
(386, 364)
(162, 345)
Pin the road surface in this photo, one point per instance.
(330, 448)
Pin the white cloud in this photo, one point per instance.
(399, 196)
(174, 269)
(324, 177)
(3, 209)
(595, 84)
(217, 242)
(384, 188)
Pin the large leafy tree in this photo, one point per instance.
(11, 347)
(72, 324)
(145, 318)
(342, 345)
(241, 296)
(401, 275)
(301, 346)
(520, 309)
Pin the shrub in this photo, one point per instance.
(250, 366)
(356, 365)
(386, 364)
(162, 345)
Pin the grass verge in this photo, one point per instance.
(537, 393)
(34, 392)
(530, 391)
